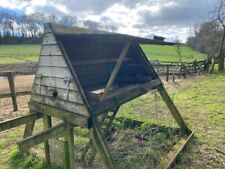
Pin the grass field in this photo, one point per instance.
(169, 53)
(201, 103)
(19, 53)
(22, 53)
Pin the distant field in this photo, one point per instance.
(169, 53)
(19, 53)
(22, 53)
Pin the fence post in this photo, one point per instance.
(167, 73)
(12, 90)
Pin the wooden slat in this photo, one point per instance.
(47, 124)
(49, 38)
(5, 125)
(41, 137)
(173, 109)
(65, 105)
(54, 72)
(52, 61)
(116, 68)
(74, 96)
(55, 82)
(5, 95)
(96, 61)
(101, 146)
(71, 117)
(53, 50)
(119, 97)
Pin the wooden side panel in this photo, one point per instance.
(62, 104)
(73, 96)
(49, 39)
(51, 50)
(57, 72)
(55, 82)
(57, 61)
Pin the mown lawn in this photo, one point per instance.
(201, 101)
(154, 52)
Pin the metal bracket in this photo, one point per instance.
(67, 80)
(39, 76)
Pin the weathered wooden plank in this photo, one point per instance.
(41, 137)
(54, 72)
(56, 82)
(69, 141)
(5, 125)
(101, 146)
(53, 50)
(119, 97)
(116, 68)
(96, 61)
(72, 96)
(73, 118)
(62, 104)
(5, 95)
(12, 90)
(57, 61)
(49, 38)
(173, 109)
(47, 124)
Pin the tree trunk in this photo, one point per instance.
(221, 62)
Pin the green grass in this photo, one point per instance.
(19, 53)
(169, 53)
(201, 102)
(153, 52)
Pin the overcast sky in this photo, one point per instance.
(169, 18)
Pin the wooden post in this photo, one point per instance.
(101, 145)
(69, 147)
(173, 109)
(167, 73)
(12, 90)
(47, 124)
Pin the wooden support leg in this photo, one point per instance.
(69, 147)
(29, 129)
(47, 124)
(12, 90)
(173, 109)
(101, 146)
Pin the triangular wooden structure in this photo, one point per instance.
(84, 73)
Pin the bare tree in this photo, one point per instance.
(220, 17)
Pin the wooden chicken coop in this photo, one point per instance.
(81, 75)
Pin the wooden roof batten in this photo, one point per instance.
(83, 74)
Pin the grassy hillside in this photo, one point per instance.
(22, 53)
(169, 53)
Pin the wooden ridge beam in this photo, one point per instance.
(19, 121)
(42, 136)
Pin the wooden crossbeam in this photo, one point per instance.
(73, 118)
(19, 121)
(124, 96)
(175, 113)
(42, 136)
(116, 69)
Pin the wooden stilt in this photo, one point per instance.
(69, 147)
(29, 129)
(101, 146)
(47, 124)
(173, 109)
(12, 90)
